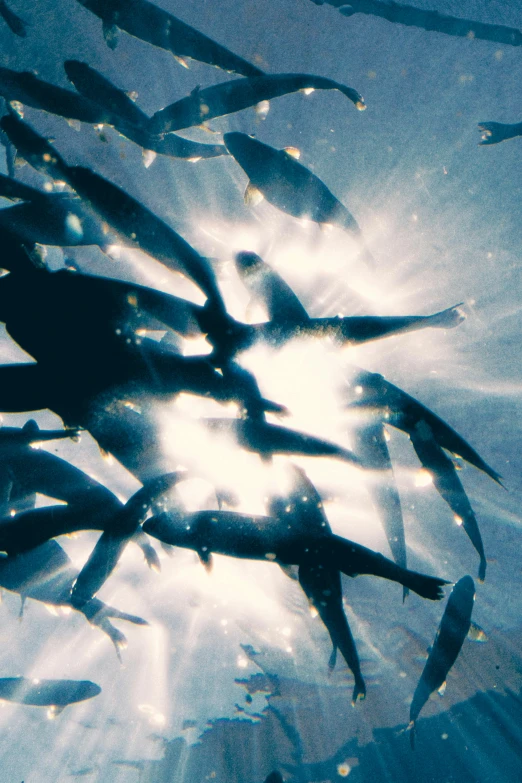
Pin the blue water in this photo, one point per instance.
(441, 215)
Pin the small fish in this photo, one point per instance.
(47, 693)
(233, 96)
(446, 481)
(288, 185)
(26, 88)
(453, 629)
(403, 411)
(150, 23)
(269, 539)
(33, 148)
(495, 132)
(15, 24)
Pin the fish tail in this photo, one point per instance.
(447, 319)
(429, 587)
(411, 729)
(405, 594)
(482, 569)
(359, 691)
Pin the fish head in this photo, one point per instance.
(248, 263)
(248, 152)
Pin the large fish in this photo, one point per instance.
(150, 23)
(495, 132)
(453, 629)
(46, 693)
(265, 538)
(404, 412)
(446, 481)
(288, 185)
(46, 574)
(222, 99)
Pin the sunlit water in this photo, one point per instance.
(230, 680)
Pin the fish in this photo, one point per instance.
(495, 132)
(46, 693)
(453, 629)
(264, 538)
(32, 147)
(403, 411)
(288, 185)
(233, 96)
(433, 21)
(12, 439)
(267, 439)
(28, 89)
(152, 24)
(446, 481)
(128, 118)
(15, 24)
(320, 583)
(46, 574)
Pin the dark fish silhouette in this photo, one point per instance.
(129, 120)
(150, 23)
(26, 88)
(404, 412)
(47, 693)
(267, 439)
(495, 132)
(32, 147)
(46, 574)
(15, 24)
(265, 538)
(433, 21)
(453, 629)
(274, 777)
(287, 184)
(321, 584)
(448, 484)
(230, 97)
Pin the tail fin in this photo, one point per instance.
(429, 587)
(447, 319)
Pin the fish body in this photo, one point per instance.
(28, 89)
(269, 288)
(15, 24)
(46, 693)
(287, 184)
(152, 24)
(452, 631)
(265, 538)
(448, 485)
(404, 412)
(233, 96)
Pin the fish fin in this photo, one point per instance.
(442, 690)
(132, 95)
(307, 90)
(411, 729)
(111, 34)
(148, 157)
(194, 159)
(253, 195)
(261, 109)
(289, 570)
(74, 124)
(196, 90)
(19, 161)
(347, 10)
(55, 710)
(22, 607)
(359, 691)
(332, 660)
(181, 61)
(476, 633)
(206, 560)
(294, 152)
(448, 319)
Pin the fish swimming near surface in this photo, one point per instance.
(233, 96)
(15, 24)
(302, 506)
(130, 121)
(495, 132)
(453, 629)
(401, 410)
(152, 24)
(265, 538)
(288, 185)
(46, 574)
(28, 89)
(446, 481)
(46, 693)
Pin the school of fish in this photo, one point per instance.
(95, 363)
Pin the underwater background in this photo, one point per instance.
(230, 680)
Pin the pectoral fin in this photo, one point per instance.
(253, 195)
(111, 34)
